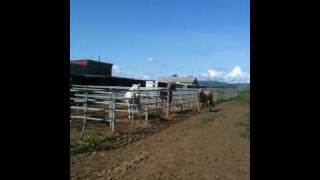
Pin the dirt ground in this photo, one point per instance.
(189, 149)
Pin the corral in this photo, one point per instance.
(191, 146)
(104, 107)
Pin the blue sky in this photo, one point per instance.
(209, 39)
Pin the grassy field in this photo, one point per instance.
(244, 121)
(211, 118)
(242, 98)
(222, 95)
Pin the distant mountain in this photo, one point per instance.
(215, 84)
(242, 85)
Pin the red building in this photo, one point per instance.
(90, 67)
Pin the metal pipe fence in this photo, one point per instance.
(101, 103)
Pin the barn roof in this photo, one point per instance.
(85, 61)
(170, 79)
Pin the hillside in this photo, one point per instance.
(214, 84)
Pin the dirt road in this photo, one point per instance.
(190, 149)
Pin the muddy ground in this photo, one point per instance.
(188, 149)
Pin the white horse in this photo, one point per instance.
(132, 99)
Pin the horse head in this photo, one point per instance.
(129, 93)
(135, 87)
(132, 98)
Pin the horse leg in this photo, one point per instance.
(208, 106)
(202, 107)
(205, 105)
(131, 115)
(129, 110)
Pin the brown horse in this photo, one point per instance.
(164, 96)
(205, 99)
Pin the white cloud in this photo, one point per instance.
(236, 75)
(236, 72)
(151, 60)
(146, 77)
(213, 74)
(116, 69)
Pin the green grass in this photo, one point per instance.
(89, 143)
(210, 118)
(244, 122)
(221, 96)
(242, 98)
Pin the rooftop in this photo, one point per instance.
(170, 79)
(85, 61)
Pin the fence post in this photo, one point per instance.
(198, 101)
(223, 94)
(168, 103)
(146, 107)
(191, 105)
(157, 100)
(85, 114)
(113, 118)
(132, 108)
(195, 99)
(109, 108)
(181, 94)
